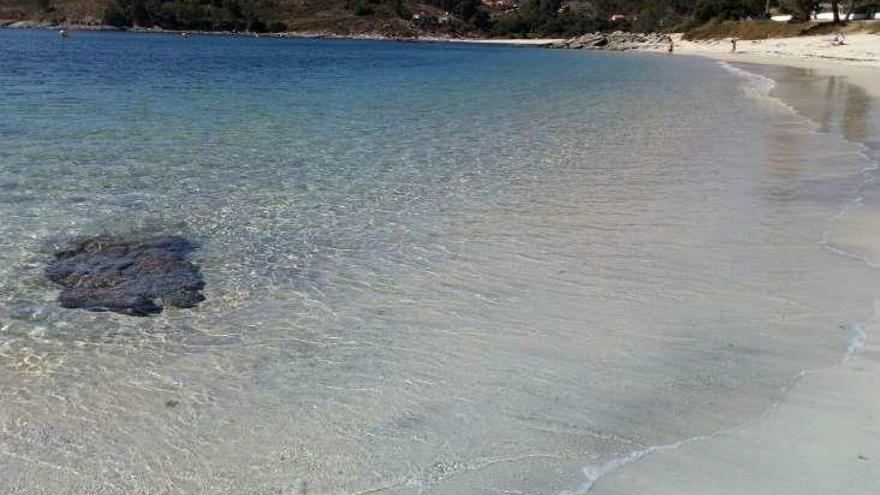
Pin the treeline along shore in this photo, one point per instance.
(455, 19)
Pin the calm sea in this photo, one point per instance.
(431, 268)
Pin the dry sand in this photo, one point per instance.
(502, 41)
(858, 60)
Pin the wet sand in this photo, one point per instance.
(823, 438)
(824, 435)
(858, 61)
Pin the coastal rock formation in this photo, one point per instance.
(616, 41)
(135, 276)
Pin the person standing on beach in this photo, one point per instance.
(671, 47)
(733, 45)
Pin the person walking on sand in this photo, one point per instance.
(671, 47)
(732, 45)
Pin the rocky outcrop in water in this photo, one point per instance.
(135, 276)
(616, 41)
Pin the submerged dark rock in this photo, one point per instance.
(136, 276)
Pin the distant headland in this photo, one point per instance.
(437, 19)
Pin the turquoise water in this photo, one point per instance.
(431, 268)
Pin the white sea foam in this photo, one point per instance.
(859, 335)
(593, 472)
(757, 86)
(856, 340)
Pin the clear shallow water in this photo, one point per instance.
(430, 268)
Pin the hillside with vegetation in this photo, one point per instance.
(412, 18)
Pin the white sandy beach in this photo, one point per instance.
(858, 60)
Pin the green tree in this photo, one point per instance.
(801, 10)
(705, 10)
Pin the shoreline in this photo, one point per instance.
(858, 61)
(861, 75)
(44, 26)
(822, 436)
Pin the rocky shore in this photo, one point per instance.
(13, 24)
(616, 41)
(612, 41)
